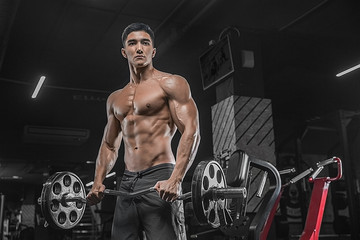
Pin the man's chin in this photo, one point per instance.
(141, 64)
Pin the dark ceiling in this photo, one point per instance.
(76, 44)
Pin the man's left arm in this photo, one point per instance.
(185, 115)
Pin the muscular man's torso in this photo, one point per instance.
(146, 124)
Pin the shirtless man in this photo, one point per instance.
(145, 115)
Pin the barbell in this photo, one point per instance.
(63, 196)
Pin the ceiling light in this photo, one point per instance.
(348, 70)
(38, 86)
(107, 176)
(89, 184)
(110, 174)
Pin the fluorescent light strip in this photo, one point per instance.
(348, 70)
(89, 184)
(110, 174)
(107, 176)
(38, 86)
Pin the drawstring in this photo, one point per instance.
(138, 175)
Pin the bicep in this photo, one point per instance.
(112, 133)
(182, 106)
(185, 115)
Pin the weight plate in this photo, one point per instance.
(57, 212)
(207, 175)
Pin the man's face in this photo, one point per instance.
(138, 49)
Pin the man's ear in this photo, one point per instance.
(154, 52)
(123, 53)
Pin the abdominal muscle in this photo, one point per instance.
(147, 142)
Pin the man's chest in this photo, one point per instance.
(139, 100)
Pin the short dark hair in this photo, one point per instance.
(133, 27)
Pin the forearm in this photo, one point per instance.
(105, 162)
(186, 152)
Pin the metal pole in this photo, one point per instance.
(2, 203)
(348, 174)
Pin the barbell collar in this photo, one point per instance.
(227, 193)
(67, 198)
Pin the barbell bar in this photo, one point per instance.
(69, 198)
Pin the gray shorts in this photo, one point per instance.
(147, 216)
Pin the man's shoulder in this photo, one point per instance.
(115, 94)
(168, 79)
(174, 85)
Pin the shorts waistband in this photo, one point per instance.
(150, 169)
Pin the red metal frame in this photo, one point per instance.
(318, 201)
(269, 220)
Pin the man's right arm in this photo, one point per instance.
(107, 155)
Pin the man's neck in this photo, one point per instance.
(141, 74)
